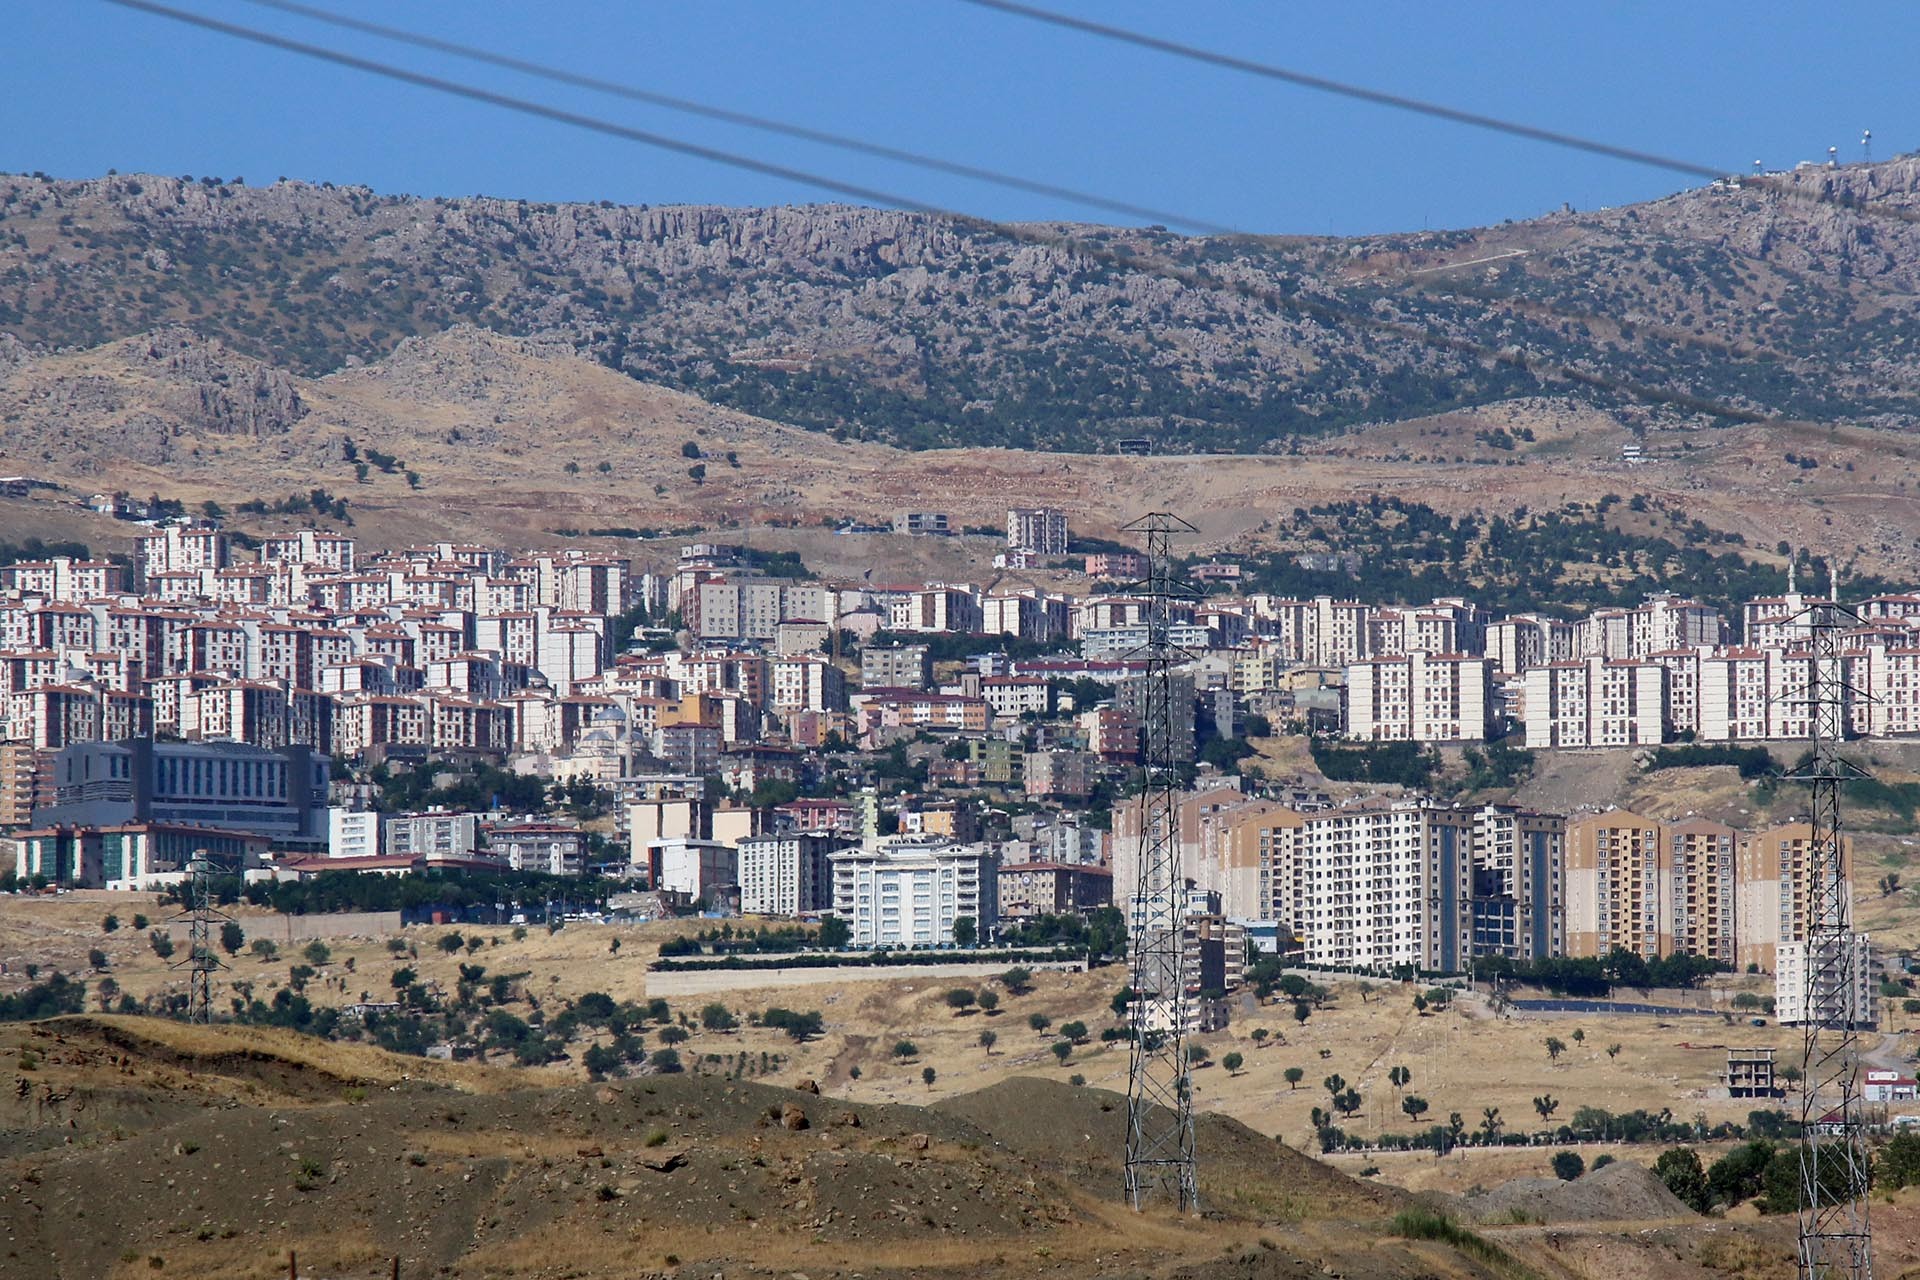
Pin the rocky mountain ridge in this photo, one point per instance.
(1796, 299)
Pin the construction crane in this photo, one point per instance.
(1160, 1155)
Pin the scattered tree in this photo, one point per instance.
(96, 959)
(961, 999)
(989, 999)
(110, 923)
(1546, 1105)
(1061, 1050)
(987, 1037)
(1415, 1107)
(965, 932)
(905, 1049)
(1233, 1062)
(161, 943)
(1613, 1051)
(1680, 1169)
(1294, 1075)
(1555, 1047)
(317, 953)
(1017, 980)
(1567, 1165)
(232, 938)
(265, 948)
(1039, 1021)
(927, 1074)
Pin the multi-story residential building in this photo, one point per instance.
(1664, 622)
(552, 848)
(309, 547)
(910, 892)
(1595, 702)
(1420, 697)
(1832, 982)
(1773, 891)
(807, 684)
(1518, 888)
(1527, 640)
(1012, 697)
(1068, 774)
(1030, 614)
(436, 835)
(1052, 889)
(939, 607)
(353, 833)
(26, 783)
(1001, 762)
(905, 666)
(1174, 725)
(924, 522)
(1701, 856)
(787, 875)
(1116, 566)
(176, 549)
(1041, 530)
(1619, 886)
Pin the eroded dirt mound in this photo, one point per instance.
(1082, 1133)
(1620, 1192)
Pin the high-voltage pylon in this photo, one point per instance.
(1159, 1092)
(1836, 1242)
(201, 961)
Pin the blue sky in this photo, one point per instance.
(90, 86)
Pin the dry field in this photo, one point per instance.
(1462, 1059)
(491, 425)
(504, 1171)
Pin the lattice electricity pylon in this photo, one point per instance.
(1159, 1159)
(1836, 1240)
(201, 961)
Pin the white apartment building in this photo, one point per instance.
(353, 833)
(787, 875)
(570, 653)
(1596, 702)
(175, 549)
(1041, 530)
(1839, 993)
(1365, 879)
(908, 892)
(808, 684)
(309, 547)
(1664, 622)
(1528, 640)
(1421, 697)
(693, 867)
(434, 835)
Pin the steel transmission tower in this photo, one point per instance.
(1159, 1093)
(1835, 1239)
(201, 961)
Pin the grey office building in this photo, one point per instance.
(229, 786)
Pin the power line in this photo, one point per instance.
(1378, 97)
(1146, 263)
(1436, 110)
(765, 124)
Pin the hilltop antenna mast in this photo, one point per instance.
(1159, 1090)
(1836, 1241)
(201, 961)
